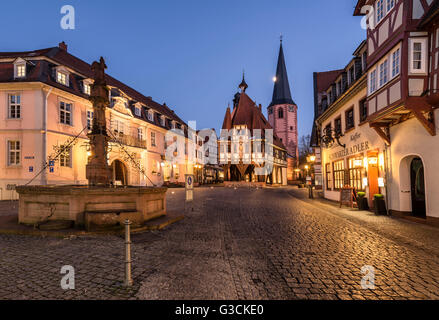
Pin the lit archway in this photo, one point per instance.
(119, 173)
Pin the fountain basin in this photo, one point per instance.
(90, 207)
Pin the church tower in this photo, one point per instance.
(282, 114)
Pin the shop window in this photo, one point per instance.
(339, 173)
(350, 119)
(356, 173)
(328, 177)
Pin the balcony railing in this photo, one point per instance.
(129, 140)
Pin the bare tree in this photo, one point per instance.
(305, 146)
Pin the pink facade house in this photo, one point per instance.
(282, 115)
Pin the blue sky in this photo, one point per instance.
(191, 54)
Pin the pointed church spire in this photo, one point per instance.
(281, 92)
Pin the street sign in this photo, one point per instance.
(31, 169)
(189, 178)
(51, 170)
(51, 163)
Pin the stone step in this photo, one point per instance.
(56, 225)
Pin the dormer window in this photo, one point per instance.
(21, 71)
(87, 89)
(137, 111)
(162, 120)
(151, 115)
(173, 124)
(19, 68)
(61, 77)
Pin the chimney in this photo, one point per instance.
(260, 107)
(62, 46)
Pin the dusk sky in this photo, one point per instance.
(191, 54)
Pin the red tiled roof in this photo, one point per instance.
(247, 113)
(325, 79)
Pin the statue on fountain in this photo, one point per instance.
(97, 171)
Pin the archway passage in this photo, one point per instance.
(417, 183)
(119, 173)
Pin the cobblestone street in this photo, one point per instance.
(237, 244)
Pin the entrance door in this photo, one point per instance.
(417, 188)
(373, 174)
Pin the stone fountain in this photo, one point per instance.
(98, 205)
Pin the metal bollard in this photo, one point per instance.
(128, 280)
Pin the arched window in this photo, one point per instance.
(281, 113)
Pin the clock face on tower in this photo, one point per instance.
(290, 108)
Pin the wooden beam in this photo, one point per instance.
(428, 125)
(382, 134)
(418, 106)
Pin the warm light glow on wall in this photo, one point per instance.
(381, 182)
(358, 163)
(381, 160)
(365, 182)
(373, 160)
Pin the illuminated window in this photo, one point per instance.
(339, 173)
(328, 177)
(14, 109)
(20, 70)
(14, 153)
(61, 77)
(87, 89)
(356, 173)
